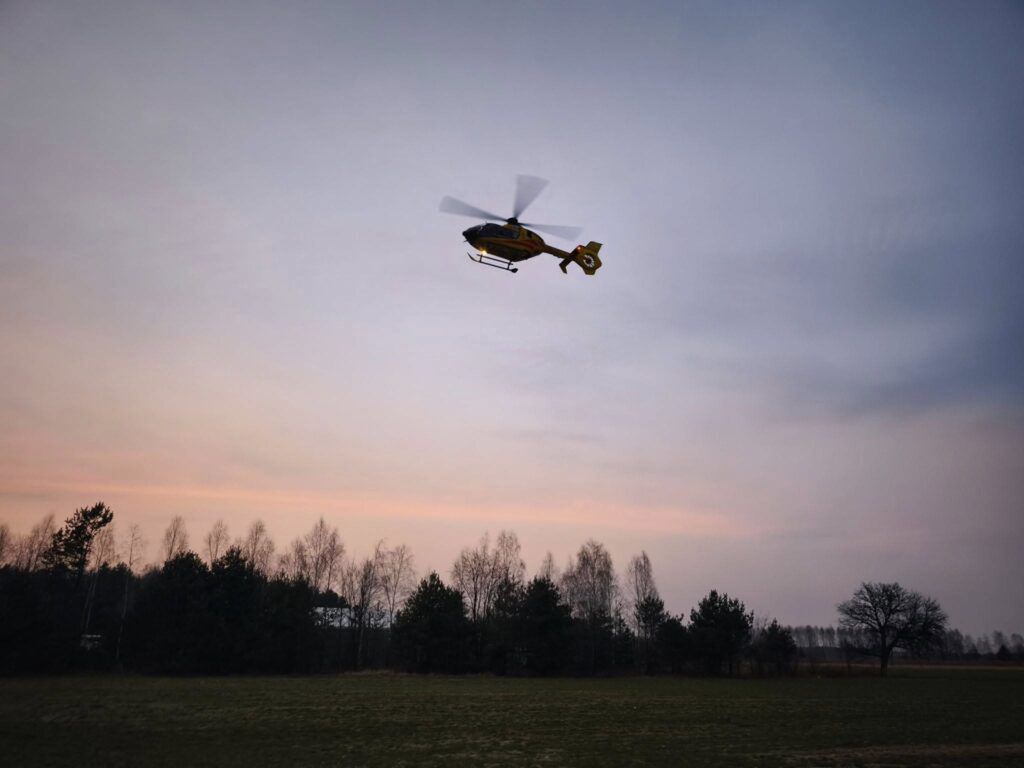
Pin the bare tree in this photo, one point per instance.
(808, 640)
(31, 548)
(640, 578)
(983, 645)
(829, 638)
(325, 551)
(5, 543)
(133, 549)
(999, 640)
(216, 541)
(548, 570)
(640, 587)
(175, 539)
(891, 617)
(398, 578)
(257, 547)
(590, 590)
(508, 565)
(315, 558)
(1017, 645)
(362, 588)
(477, 573)
(970, 649)
(646, 610)
(589, 583)
(293, 563)
(102, 553)
(472, 574)
(104, 548)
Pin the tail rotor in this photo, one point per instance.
(584, 255)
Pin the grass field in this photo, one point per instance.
(917, 717)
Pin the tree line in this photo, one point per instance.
(825, 645)
(76, 597)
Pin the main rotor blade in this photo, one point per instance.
(459, 208)
(527, 189)
(569, 233)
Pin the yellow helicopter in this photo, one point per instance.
(502, 245)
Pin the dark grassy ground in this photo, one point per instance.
(942, 717)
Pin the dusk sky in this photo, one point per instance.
(226, 290)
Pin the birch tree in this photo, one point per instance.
(175, 541)
(589, 584)
(472, 574)
(477, 573)
(398, 578)
(548, 570)
(5, 543)
(257, 547)
(29, 551)
(216, 541)
(316, 558)
(362, 588)
(133, 549)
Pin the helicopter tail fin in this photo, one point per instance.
(586, 256)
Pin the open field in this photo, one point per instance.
(918, 717)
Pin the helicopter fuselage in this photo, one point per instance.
(507, 241)
(501, 245)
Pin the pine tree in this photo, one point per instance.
(70, 546)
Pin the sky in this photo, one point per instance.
(226, 291)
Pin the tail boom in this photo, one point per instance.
(584, 255)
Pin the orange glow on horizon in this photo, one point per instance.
(584, 512)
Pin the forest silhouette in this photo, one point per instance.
(75, 598)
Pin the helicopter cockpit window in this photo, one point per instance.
(496, 230)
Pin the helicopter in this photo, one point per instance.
(502, 245)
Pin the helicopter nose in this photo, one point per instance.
(470, 233)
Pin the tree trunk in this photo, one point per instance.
(90, 596)
(124, 613)
(885, 660)
(359, 639)
(341, 637)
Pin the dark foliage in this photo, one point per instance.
(37, 629)
(720, 631)
(226, 619)
(69, 549)
(675, 645)
(431, 634)
(172, 625)
(528, 631)
(593, 644)
(545, 629)
(774, 649)
(231, 618)
(499, 633)
(650, 616)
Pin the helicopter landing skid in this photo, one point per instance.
(493, 261)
